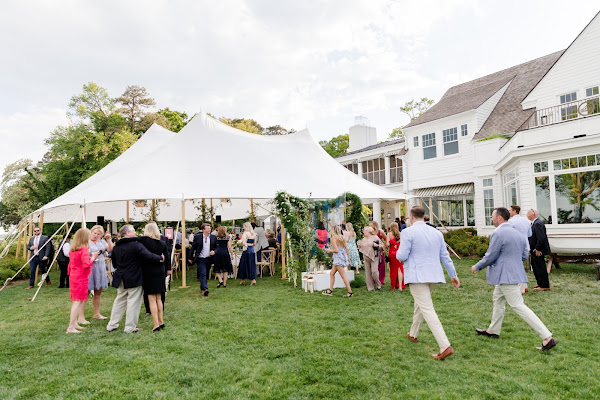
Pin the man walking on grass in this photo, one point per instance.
(508, 249)
(422, 248)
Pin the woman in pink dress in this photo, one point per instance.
(321, 235)
(80, 264)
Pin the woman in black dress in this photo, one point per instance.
(154, 273)
(222, 257)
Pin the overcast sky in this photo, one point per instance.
(314, 64)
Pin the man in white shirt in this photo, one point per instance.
(203, 250)
(523, 226)
(422, 249)
(63, 261)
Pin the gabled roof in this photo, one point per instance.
(470, 95)
(374, 146)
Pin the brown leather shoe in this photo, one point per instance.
(30, 287)
(412, 339)
(441, 355)
(543, 289)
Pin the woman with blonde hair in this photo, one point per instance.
(154, 273)
(80, 264)
(247, 266)
(222, 257)
(396, 267)
(98, 279)
(350, 237)
(340, 261)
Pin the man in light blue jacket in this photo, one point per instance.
(422, 248)
(508, 249)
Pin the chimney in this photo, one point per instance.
(361, 134)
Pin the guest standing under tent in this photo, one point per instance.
(247, 266)
(340, 261)
(350, 237)
(153, 273)
(396, 267)
(79, 270)
(321, 235)
(222, 258)
(63, 261)
(98, 279)
(381, 260)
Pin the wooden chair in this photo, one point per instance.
(267, 260)
(235, 261)
(176, 263)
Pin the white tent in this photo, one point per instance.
(222, 163)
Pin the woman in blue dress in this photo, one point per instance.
(350, 237)
(247, 266)
(222, 257)
(98, 279)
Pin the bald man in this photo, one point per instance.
(538, 243)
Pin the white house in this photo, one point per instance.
(526, 135)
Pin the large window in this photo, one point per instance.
(450, 137)
(569, 191)
(451, 210)
(395, 170)
(511, 188)
(429, 149)
(374, 171)
(488, 200)
(570, 110)
(352, 167)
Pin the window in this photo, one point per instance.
(463, 130)
(511, 188)
(450, 137)
(488, 200)
(352, 167)
(592, 106)
(593, 91)
(540, 166)
(374, 171)
(429, 149)
(395, 170)
(542, 198)
(569, 111)
(416, 141)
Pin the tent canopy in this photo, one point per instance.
(210, 160)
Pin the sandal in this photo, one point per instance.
(349, 294)
(328, 292)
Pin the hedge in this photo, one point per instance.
(467, 243)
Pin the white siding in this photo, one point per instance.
(577, 69)
(484, 110)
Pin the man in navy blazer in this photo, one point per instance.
(508, 249)
(539, 248)
(39, 255)
(203, 250)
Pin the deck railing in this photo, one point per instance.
(563, 112)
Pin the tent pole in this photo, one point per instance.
(153, 210)
(387, 223)
(283, 251)
(212, 222)
(127, 213)
(19, 243)
(41, 223)
(183, 248)
(252, 210)
(83, 222)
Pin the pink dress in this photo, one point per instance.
(80, 266)
(321, 237)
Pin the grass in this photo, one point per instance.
(275, 341)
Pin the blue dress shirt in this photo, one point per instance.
(422, 248)
(522, 225)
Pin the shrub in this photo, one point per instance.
(10, 265)
(465, 242)
(358, 282)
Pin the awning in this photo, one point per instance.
(449, 190)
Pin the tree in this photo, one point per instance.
(415, 108)
(336, 146)
(92, 102)
(277, 130)
(177, 120)
(134, 101)
(396, 134)
(248, 125)
(16, 201)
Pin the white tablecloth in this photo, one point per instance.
(322, 280)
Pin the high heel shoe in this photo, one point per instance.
(219, 284)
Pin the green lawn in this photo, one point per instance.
(275, 341)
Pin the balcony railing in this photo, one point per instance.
(563, 112)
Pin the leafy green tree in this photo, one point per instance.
(396, 134)
(16, 201)
(277, 130)
(92, 102)
(336, 146)
(134, 103)
(177, 120)
(248, 125)
(415, 108)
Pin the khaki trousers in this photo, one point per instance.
(372, 272)
(511, 294)
(421, 293)
(130, 300)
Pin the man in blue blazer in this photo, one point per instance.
(422, 248)
(508, 249)
(203, 250)
(39, 254)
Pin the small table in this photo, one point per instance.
(322, 280)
